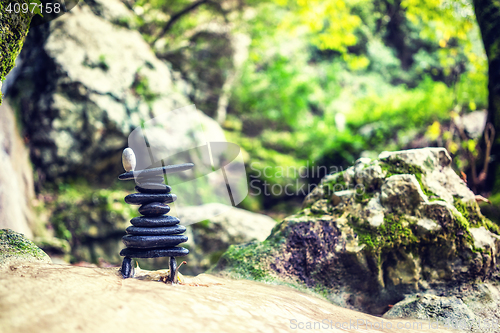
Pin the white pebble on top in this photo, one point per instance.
(128, 159)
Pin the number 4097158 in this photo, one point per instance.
(34, 8)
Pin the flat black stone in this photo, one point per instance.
(153, 188)
(148, 242)
(178, 229)
(155, 253)
(145, 198)
(160, 221)
(154, 209)
(156, 171)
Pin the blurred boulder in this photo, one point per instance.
(382, 229)
(473, 123)
(85, 83)
(210, 238)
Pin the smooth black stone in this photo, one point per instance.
(156, 171)
(153, 188)
(178, 229)
(160, 221)
(148, 242)
(126, 267)
(154, 209)
(145, 198)
(173, 267)
(155, 253)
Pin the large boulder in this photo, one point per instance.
(84, 83)
(381, 229)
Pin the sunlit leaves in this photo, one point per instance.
(450, 23)
(433, 131)
(330, 22)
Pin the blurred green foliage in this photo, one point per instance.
(328, 81)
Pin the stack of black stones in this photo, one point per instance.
(154, 234)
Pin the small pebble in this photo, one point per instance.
(128, 159)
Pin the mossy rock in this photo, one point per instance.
(13, 31)
(381, 229)
(14, 247)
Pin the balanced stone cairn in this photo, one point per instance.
(154, 234)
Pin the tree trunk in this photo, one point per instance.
(488, 18)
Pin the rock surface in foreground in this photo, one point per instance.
(53, 298)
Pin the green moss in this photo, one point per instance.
(142, 88)
(13, 31)
(336, 184)
(101, 63)
(399, 167)
(251, 260)
(472, 215)
(13, 244)
(394, 232)
(205, 224)
(244, 261)
(362, 196)
(366, 233)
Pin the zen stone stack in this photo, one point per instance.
(154, 234)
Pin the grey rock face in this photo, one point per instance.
(432, 307)
(402, 192)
